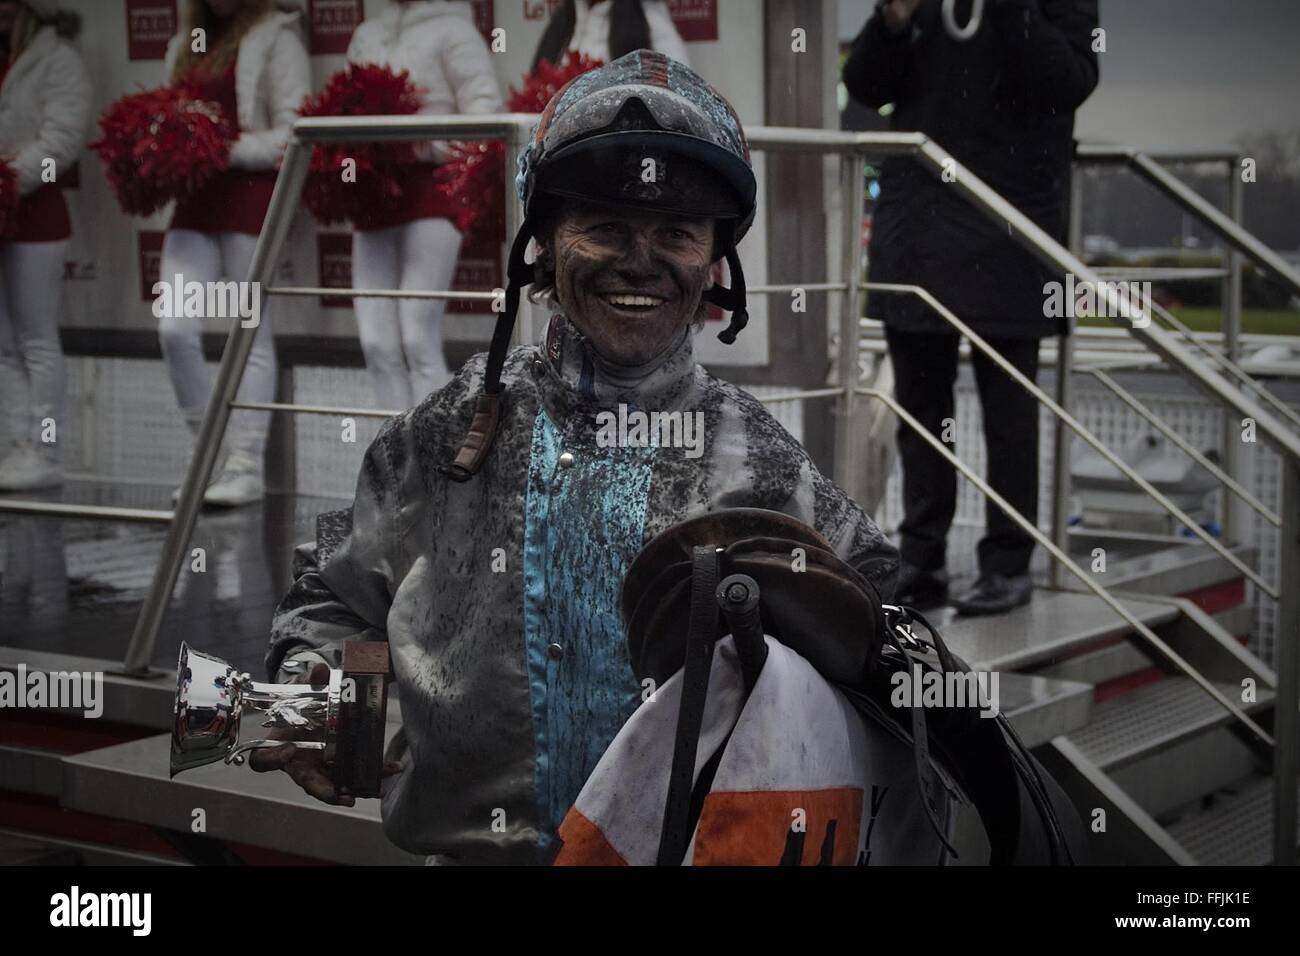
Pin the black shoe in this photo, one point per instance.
(995, 594)
(921, 589)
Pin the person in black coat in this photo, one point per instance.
(1002, 104)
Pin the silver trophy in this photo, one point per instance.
(344, 717)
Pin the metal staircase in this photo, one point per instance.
(1153, 751)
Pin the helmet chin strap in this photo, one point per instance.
(477, 444)
(482, 432)
(733, 299)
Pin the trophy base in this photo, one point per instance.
(358, 761)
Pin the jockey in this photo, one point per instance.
(494, 523)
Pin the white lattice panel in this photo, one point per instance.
(327, 465)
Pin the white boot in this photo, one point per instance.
(26, 469)
(216, 471)
(239, 483)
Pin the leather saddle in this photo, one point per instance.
(811, 601)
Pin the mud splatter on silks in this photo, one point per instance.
(500, 728)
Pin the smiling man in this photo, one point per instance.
(491, 530)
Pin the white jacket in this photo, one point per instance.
(45, 108)
(591, 30)
(272, 77)
(438, 44)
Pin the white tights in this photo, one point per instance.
(32, 369)
(203, 257)
(402, 338)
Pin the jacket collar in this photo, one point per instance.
(574, 376)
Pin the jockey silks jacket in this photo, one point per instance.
(499, 597)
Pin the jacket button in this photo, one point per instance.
(555, 651)
(567, 460)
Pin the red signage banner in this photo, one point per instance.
(477, 270)
(696, 20)
(330, 25)
(334, 260)
(540, 9)
(484, 18)
(149, 243)
(149, 25)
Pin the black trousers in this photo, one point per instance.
(925, 370)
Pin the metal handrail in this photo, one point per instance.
(334, 292)
(1145, 165)
(1078, 428)
(1227, 227)
(1050, 252)
(1157, 273)
(1226, 363)
(1160, 646)
(93, 512)
(851, 147)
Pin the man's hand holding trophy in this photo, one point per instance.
(324, 728)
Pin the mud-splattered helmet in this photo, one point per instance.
(643, 132)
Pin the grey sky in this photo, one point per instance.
(1184, 73)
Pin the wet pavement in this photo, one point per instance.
(75, 586)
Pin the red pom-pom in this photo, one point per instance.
(474, 177)
(360, 90)
(161, 145)
(547, 80)
(8, 199)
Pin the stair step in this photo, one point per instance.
(1040, 708)
(1234, 829)
(1044, 630)
(1152, 718)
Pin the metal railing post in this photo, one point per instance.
(1064, 376)
(1061, 453)
(1286, 712)
(853, 190)
(280, 213)
(1231, 448)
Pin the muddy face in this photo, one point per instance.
(630, 282)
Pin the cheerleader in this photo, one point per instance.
(256, 68)
(416, 247)
(606, 29)
(44, 115)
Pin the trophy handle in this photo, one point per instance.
(236, 755)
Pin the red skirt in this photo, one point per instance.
(422, 200)
(233, 201)
(42, 217)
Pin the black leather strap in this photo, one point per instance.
(702, 633)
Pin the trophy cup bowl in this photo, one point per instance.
(344, 718)
(212, 698)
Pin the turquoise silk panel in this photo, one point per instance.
(583, 526)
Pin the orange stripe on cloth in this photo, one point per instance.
(585, 844)
(753, 828)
